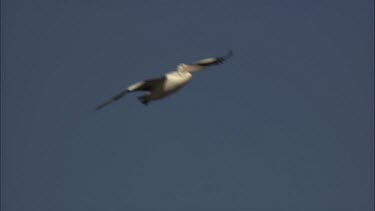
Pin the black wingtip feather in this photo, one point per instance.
(220, 60)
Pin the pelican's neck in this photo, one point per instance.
(181, 69)
(183, 72)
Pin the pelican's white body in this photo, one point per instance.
(173, 82)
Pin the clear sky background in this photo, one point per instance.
(286, 124)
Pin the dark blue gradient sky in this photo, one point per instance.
(285, 125)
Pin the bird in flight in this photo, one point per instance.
(158, 88)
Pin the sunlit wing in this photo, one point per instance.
(146, 85)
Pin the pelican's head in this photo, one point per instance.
(181, 66)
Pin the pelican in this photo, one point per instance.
(158, 88)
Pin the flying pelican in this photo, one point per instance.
(158, 88)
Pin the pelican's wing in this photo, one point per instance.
(204, 63)
(113, 99)
(145, 85)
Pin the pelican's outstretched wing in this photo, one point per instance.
(204, 63)
(113, 99)
(146, 85)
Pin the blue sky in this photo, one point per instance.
(286, 124)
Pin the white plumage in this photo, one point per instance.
(171, 82)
